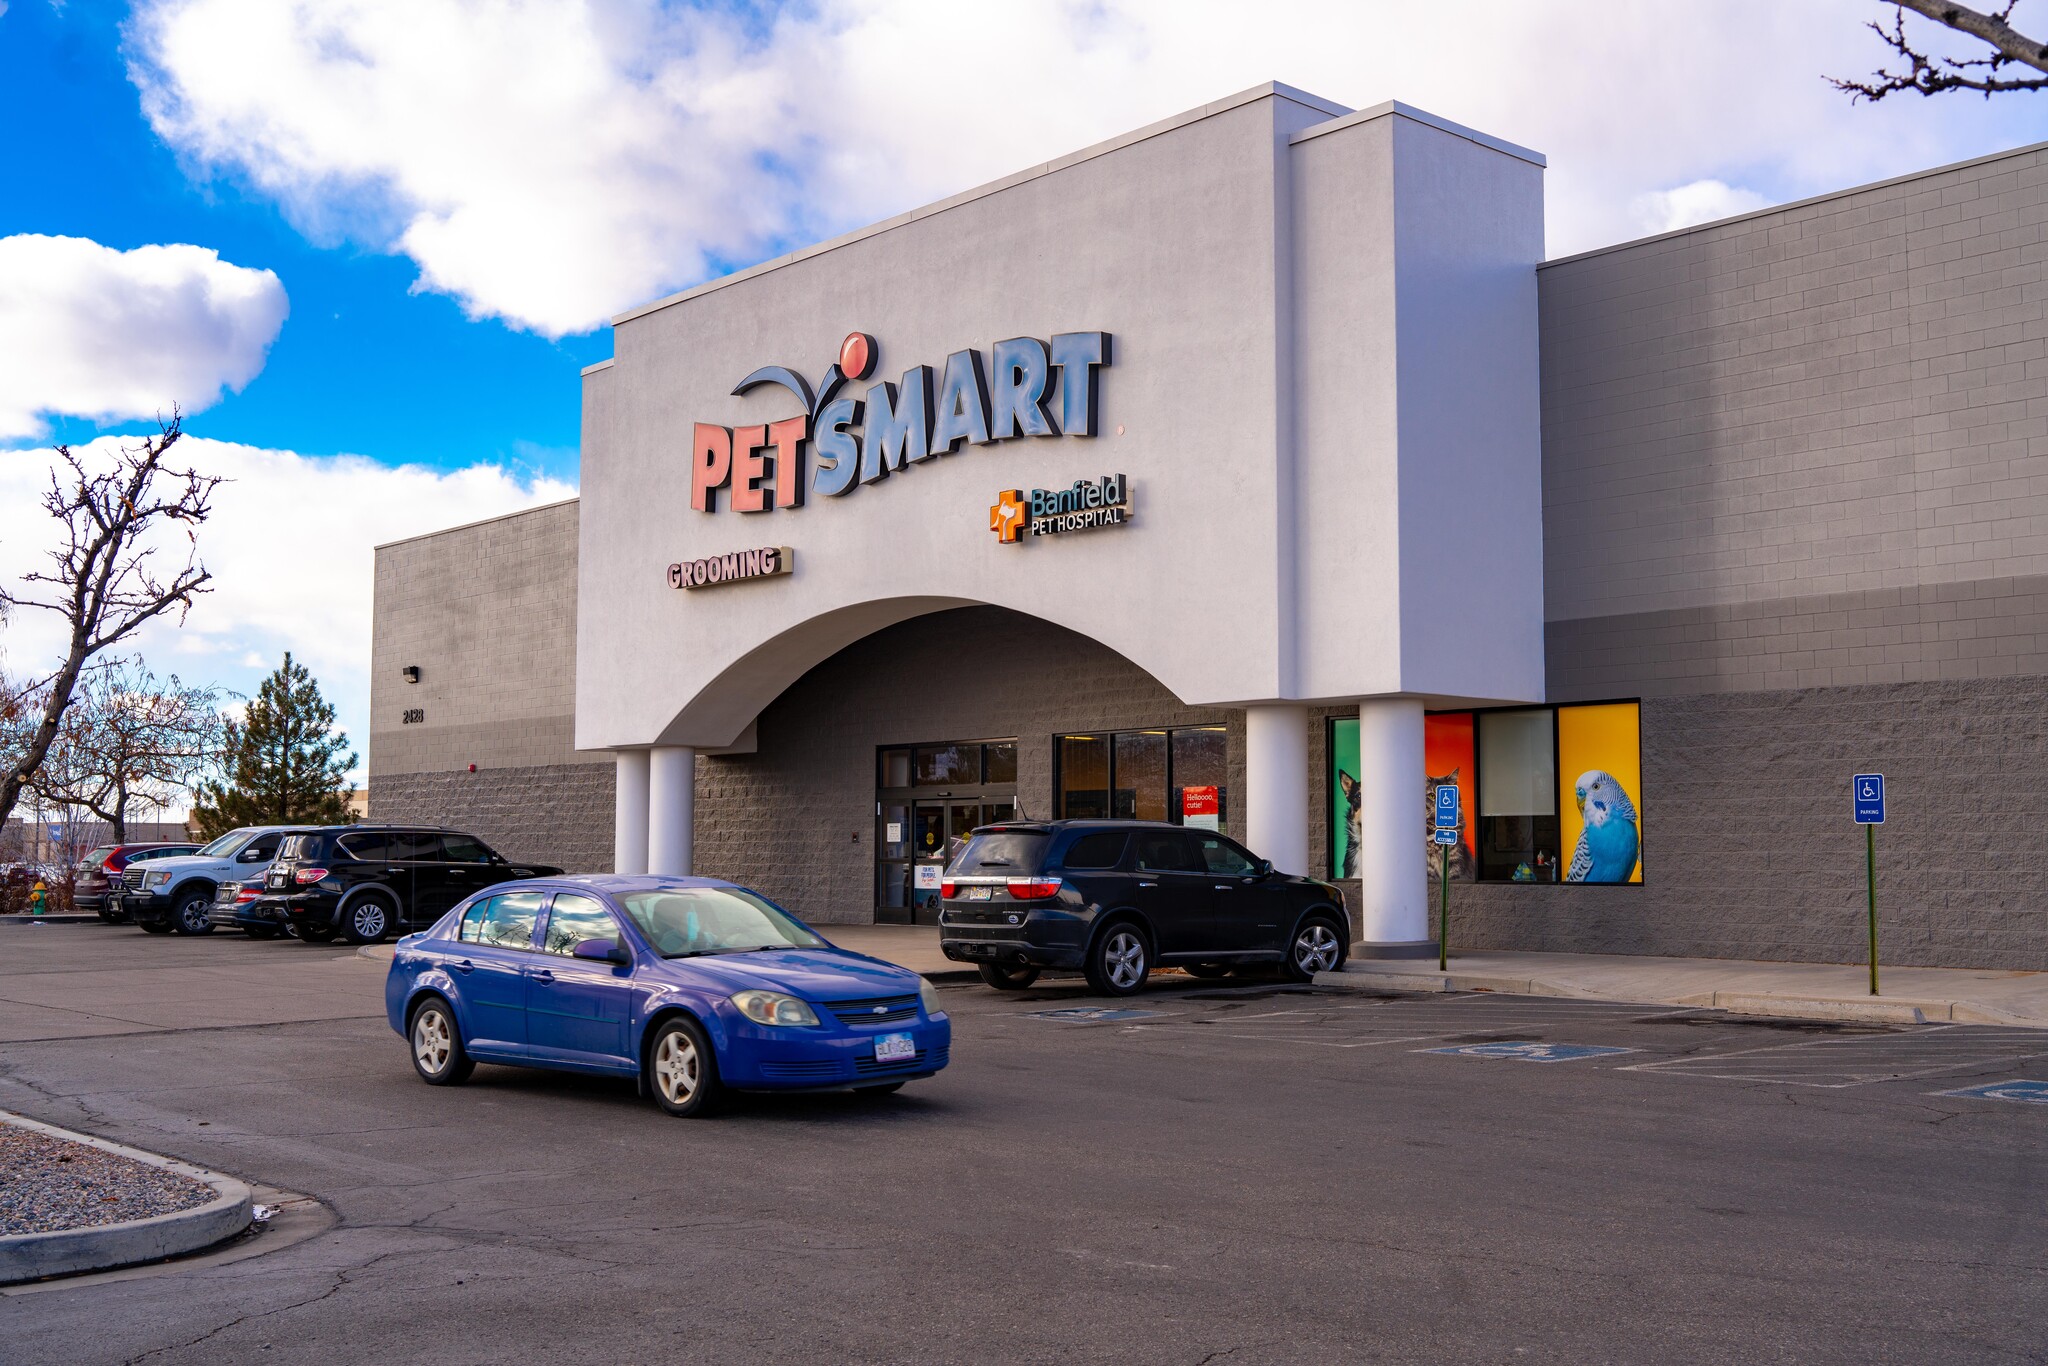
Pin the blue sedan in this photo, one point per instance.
(694, 986)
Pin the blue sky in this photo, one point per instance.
(369, 245)
(362, 366)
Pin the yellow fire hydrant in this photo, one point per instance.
(38, 897)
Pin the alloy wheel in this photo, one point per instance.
(432, 1041)
(676, 1067)
(368, 920)
(1315, 949)
(1124, 956)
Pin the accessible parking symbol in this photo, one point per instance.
(1092, 1014)
(2019, 1089)
(1530, 1052)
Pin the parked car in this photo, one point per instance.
(1119, 898)
(176, 893)
(697, 987)
(363, 881)
(100, 872)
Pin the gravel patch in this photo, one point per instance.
(51, 1184)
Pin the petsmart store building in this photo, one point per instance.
(1255, 471)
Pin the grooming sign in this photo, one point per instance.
(836, 443)
(732, 567)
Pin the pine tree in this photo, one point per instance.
(283, 762)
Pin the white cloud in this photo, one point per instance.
(289, 545)
(89, 331)
(554, 163)
(1703, 201)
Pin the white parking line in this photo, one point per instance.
(1837, 1064)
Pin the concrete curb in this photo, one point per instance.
(32, 1256)
(1872, 1010)
(68, 918)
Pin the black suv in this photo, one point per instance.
(1118, 898)
(361, 881)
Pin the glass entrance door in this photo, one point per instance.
(929, 799)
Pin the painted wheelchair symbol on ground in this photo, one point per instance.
(1092, 1014)
(1530, 1052)
(2019, 1089)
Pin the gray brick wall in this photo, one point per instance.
(1749, 852)
(1835, 397)
(488, 613)
(552, 813)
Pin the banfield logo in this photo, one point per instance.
(1006, 518)
(1025, 387)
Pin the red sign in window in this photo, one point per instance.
(1200, 807)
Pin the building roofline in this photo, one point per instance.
(1269, 90)
(1799, 203)
(481, 521)
(1408, 111)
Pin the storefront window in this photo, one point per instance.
(1140, 774)
(1000, 760)
(1517, 796)
(946, 765)
(1199, 761)
(895, 769)
(1084, 777)
(1140, 758)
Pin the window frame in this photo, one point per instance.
(1478, 768)
(1109, 737)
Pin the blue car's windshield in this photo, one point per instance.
(681, 921)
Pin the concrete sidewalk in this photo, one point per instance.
(1803, 990)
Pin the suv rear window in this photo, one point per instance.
(1103, 849)
(1003, 851)
(301, 847)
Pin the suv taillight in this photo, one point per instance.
(1034, 888)
(306, 875)
(949, 889)
(112, 864)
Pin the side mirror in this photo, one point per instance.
(251, 856)
(1264, 868)
(602, 950)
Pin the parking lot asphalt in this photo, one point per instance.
(1237, 1174)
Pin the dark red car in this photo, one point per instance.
(102, 868)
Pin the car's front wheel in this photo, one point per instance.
(367, 921)
(109, 916)
(681, 1069)
(193, 913)
(1008, 977)
(1317, 947)
(1118, 963)
(153, 926)
(437, 1051)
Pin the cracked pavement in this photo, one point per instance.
(1247, 1174)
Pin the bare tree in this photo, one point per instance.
(129, 739)
(103, 580)
(1930, 74)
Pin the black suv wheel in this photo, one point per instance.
(1316, 947)
(1119, 961)
(367, 920)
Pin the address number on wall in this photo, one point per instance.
(414, 716)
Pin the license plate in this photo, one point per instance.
(979, 893)
(895, 1048)
(114, 903)
(276, 880)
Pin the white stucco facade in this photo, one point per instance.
(1323, 334)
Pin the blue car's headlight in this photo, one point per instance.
(774, 1008)
(929, 995)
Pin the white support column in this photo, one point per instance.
(671, 808)
(1394, 880)
(1276, 785)
(629, 812)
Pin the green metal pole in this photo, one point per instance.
(1870, 871)
(1443, 920)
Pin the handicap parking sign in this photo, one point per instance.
(1530, 1052)
(1447, 806)
(1867, 790)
